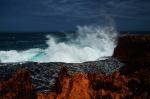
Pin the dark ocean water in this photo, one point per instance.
(23, 41)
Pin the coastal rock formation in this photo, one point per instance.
(79, 85)
(97, 86)
(44, 75)
(134, 51)
(19, 86)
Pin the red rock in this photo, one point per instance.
(18, 86)
(79, 85)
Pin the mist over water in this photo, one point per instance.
(89, 44)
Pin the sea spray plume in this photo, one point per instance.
(102, 38)
(91, 43)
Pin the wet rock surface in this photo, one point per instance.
(44, 75)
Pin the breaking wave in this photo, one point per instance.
(90, 43)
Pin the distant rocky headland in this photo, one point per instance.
(125, 75)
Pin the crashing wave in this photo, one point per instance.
(91, 43)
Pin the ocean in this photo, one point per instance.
(23, 41)
(88, 43)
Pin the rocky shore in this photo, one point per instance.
(125, 75)
(44, 75)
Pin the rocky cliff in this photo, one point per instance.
(90, 80)
(134, 51)
(19, 86)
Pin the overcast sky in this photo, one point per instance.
(65, 15)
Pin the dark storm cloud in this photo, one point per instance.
(18, 7)
(96, 8)
(45, 15)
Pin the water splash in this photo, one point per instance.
(91, 43)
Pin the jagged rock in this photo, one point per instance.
(19, 86)
(96, 86)
(43, 75)
(79, 85)
(134, 51)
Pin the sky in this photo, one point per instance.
(66, 15)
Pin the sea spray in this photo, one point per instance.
(89, 44)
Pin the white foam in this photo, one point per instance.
(92, 43)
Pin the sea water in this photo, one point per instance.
(87, 43)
